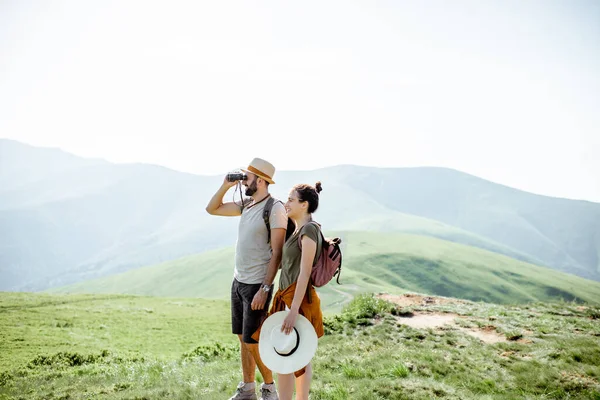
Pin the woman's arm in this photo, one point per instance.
(309, 249)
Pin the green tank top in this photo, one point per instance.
(292, 255)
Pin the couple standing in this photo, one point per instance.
(257, 260)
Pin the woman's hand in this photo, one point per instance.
(289, 322)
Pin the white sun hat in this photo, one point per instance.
(283, 353)
(261, 168)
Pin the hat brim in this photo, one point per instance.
(266, 178)
(300, 358)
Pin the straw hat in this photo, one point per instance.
(283, 353)
(261, 168)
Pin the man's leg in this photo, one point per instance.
(252, 321)
(248, 363)
(237, 326)
(266, 373)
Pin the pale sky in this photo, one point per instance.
(505, 90)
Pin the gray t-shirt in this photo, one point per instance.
(292, 254)
(252, 252)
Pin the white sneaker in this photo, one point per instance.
(243, 394)
(268, 392)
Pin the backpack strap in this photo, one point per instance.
(291, 226)
(267, 216)
(245, 203)
(310, 283)
(300, 236)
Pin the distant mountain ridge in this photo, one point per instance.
(64, 219)
(17, 170)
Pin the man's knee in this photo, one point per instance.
(251, 346)
(253, 349)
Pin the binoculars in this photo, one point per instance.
(236, 176)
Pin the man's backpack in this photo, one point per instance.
(329, 261)
(291, 227)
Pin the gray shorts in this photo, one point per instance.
(244, 320)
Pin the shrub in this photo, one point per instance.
(212, 352)
(5, 377)
(359, 312)
(68, 359)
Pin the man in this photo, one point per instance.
(256, 264)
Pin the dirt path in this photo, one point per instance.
(428, 320)
(410, 299)
(432, 320)
(347, 297)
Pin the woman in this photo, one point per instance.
(295, 293)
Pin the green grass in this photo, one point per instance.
(130, 326)
(372, 262)
(365, 354)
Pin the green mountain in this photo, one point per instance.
(65, 219)
(564, 234)
(372, 262)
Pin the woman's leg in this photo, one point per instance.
(303, 384)
(285, 386)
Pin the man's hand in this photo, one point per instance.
(227, 184)
(258, 302)
(217, 207)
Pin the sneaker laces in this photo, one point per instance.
(240, 387)
(264, 389)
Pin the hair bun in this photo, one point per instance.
(318, 187)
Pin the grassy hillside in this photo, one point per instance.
(124, 347)
(443, 268)
(372, 262)
(206, 275)
(394, 221)
(562, 233)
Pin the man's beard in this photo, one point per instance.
(251, 189)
